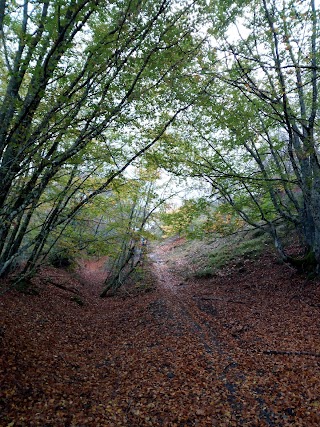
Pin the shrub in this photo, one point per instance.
(61, 258)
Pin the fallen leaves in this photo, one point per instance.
(178, 356)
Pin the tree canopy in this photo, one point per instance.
(254, 134)
(226, 93)
(87, 87)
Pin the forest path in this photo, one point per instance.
(226, 319)
(201, 323)
(189, 353)
(173, 288)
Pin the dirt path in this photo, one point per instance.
(224, 319)
(189, 353)
(201, 323)
(173, 288)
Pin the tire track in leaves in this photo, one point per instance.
(200, 318)
(195, 320)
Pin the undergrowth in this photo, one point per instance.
(230, 249)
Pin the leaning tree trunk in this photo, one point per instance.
(315, 207)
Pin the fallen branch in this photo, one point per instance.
(291, 353)
(58, 285)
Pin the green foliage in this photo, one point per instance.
(136, 202)
(252, 135)
(87, 87)
(198, 218)
(101, 227)
(181, 220)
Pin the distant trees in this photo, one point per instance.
(135, 203)
(87, 86)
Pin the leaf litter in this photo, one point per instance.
(237, 349)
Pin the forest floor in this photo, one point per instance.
(239, 348)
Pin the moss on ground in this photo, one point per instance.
(230, 249)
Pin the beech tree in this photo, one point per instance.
(76, 75)
(254, 136)
(136, 201)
